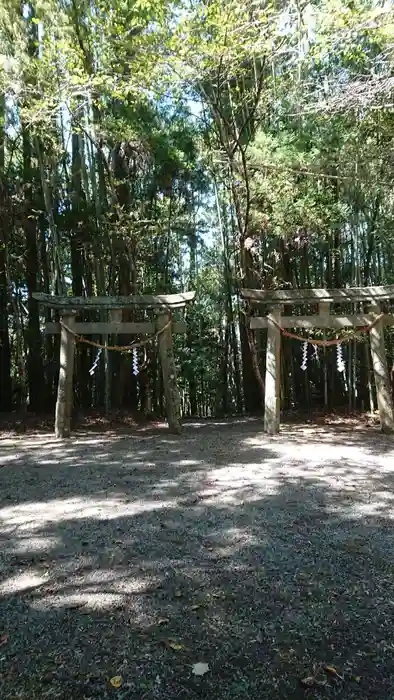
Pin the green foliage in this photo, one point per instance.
(154, 146)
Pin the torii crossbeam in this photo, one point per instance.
(162, 328)
(372, 322)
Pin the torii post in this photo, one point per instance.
(69, 329)
(373, 321)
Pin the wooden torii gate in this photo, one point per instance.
(372, 322)
(71, 331)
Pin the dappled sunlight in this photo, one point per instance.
(48, 442)
(33, 516)
(93, 600)
(260, 467)
(213, 537)
(322, 450)
(21, 582)
(360, 436)
(234, 539)
(22, 544)
(188, 462)
(228, 484)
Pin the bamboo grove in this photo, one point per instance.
(151, 146)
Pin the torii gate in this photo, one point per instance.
(372, 322)
(72, 332)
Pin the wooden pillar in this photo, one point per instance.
(64, 403)
(382, 380)
(272, 374)
(324, 313)
(115, 316)
(171, 392)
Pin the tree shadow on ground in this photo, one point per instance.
(267, 559)
(357, 429)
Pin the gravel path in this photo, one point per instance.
(269, 559)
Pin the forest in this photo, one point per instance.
(158, 146)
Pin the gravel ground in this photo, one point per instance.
(269, 559)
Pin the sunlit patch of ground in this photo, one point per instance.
(112, 546)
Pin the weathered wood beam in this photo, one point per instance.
(324, 312)
(300, 296)
(171, 391)
(272, 374)
(321, 321)
(382, 379)
(173, 301)
(114, 327)
(64, 402)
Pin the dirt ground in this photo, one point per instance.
(271, 560)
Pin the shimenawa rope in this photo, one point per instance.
(332, 341)
(118, 348)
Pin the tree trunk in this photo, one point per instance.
(79, 230)
(190, 335)
(252, 387)
(5, 352)
(35, 368)
(51, 342)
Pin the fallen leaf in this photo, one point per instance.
(191, 501)
(197, 606)
(175, 645)
(200, 668)
(308, 682)
(333, 671)
(163, 621)
(258, 638)
(311, 681)
(116, 681)
(357, 679)
(3, 639)
(74, 605)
